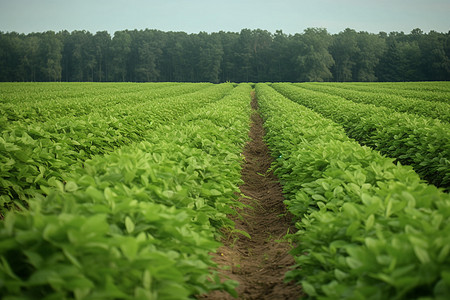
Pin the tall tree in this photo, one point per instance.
(50, 51)
(390, 67)
(411, 61)
(30, 59)
(371, 48)
(243, 58)
(173, 57)
(229, 65)
(250, 55)
(145, 52)
(120, 49)
(344, 50)
(280, 54)
(79, 60)
(101, 45)
(313, 60)
(435, 48)
(262, 54)
(210, 57)
(11, 48)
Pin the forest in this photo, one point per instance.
(245, 56)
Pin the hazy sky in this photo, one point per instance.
(193, 16)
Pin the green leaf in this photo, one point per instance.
(51, 231)
(318, 197)
(386, 278)
(370, 221)
(38, 177)
(351, 209)
(71, 258)
(71, 186)
(340, 275)
(45, 276)
(372, 244)
(214, 192)
(81, 283)
(109, 195)
(421, 254)
(129, 224)
(34, 258)
(94, 193)
(244, 233)
(416, 241)
(352, 229)
(353, 263)
(140, 293)
(4, 266)
(308, 288)
(443, 253)
(230, 287)
(81, 293)
(95, 224)
(129, 247)
(147, 280)
(9, 221)
(409, 198)
(319, 257)
(388, 208)
(325, 185)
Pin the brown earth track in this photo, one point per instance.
(260, 263)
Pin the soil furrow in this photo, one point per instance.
(260, 263)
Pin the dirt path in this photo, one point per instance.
(259, 263)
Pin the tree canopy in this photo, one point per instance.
(250, 55)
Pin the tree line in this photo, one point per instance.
(248, 55)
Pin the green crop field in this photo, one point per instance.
(123, 190)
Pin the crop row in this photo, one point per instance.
(429, 91)
(367, 228)
(138, 223)
(19, 108)
(31, 92)
(428, 86)
(437, 86)
(31, 154)
(423, 143)
(379, 97)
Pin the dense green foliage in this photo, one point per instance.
(136, 223)
(367, 228)
(48, 101)
(40, 142)
(250, 56)
(381, 97)
(421, 142)
(119, 191)
(429, 91)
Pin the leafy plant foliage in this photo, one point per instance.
(34, 150)
(421, 142)
(377, 97)
(140, 221)
(367, 228)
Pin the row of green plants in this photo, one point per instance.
(413, 140)
(137, 223)
(367, 228)
(440, 86)
(42, 102)
(430, 91)
(31, 92)
(31, 154)
(380, 97)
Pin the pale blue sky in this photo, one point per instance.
(193, 16)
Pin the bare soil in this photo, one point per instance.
(260, 263)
